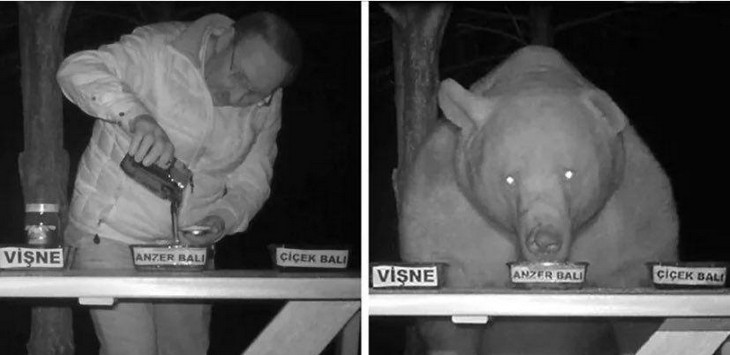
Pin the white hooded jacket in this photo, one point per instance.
(158, 70)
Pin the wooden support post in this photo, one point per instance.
(540, 24)
(44, 163)
(417, 33)
(303, 327)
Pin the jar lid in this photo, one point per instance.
(41, 207)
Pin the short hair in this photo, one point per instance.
(278, 33)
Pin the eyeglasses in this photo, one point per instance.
(241, 79)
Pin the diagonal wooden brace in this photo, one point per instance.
(348, 342)
(303, 327)
(687, 336)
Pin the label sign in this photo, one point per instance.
(405, 276)
(677, 275)
(527, 274)
(288, 257)
(31, 258)
(156, 256)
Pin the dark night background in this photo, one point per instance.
(315, 195)
(664, 64)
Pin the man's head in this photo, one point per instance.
(264, 55)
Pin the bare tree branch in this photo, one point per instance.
(163, 11)
(377, 42)
(383, 74)
(450, 70)
(492, 30)
(516, 23)
(570, 24)
(393, 13)
(117, 15)
(498, 15)
(185, 12)
(142, 13)
(647, 35)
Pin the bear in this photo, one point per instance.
(535, 163)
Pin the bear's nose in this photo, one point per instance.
(545, 242)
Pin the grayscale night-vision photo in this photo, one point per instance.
(546, 178)
(180, 178)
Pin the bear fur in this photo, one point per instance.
(535, 163)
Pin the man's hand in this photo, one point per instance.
(150, 144)
(212, 228)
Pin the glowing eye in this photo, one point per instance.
(510, 180)
(569, 174)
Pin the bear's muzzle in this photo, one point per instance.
(544, 243)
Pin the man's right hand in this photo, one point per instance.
(150, 144)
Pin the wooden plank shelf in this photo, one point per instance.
(320, 305)
(567, 303)
(218, 284)
(697, 321)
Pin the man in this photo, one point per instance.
(207, 93)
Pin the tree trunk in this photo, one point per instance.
(44, 163)
(542, 30)
(417, 33)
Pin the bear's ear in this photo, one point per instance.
(462, 107)
(605, 109)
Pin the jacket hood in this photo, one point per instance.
(193, 41)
